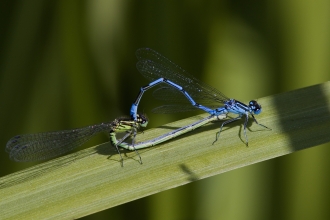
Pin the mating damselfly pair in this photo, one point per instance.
(178, 87)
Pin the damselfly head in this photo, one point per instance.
(142, 119)
(255, 107)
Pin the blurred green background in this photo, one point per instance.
(70, 63)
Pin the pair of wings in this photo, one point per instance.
(153, 66)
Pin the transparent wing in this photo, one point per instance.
(47, 145)
(171, 95)
(153, 65)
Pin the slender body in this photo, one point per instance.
(161, 70)
(167, 136)
(47, 145)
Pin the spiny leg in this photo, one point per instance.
(245, 124)
(260, 124)
(226, 122)
(133, 140)
(119, 142)
(133, 133)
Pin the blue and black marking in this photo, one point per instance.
(160, 70)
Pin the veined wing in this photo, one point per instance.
(153, 65)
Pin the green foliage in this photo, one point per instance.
(90, 181)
